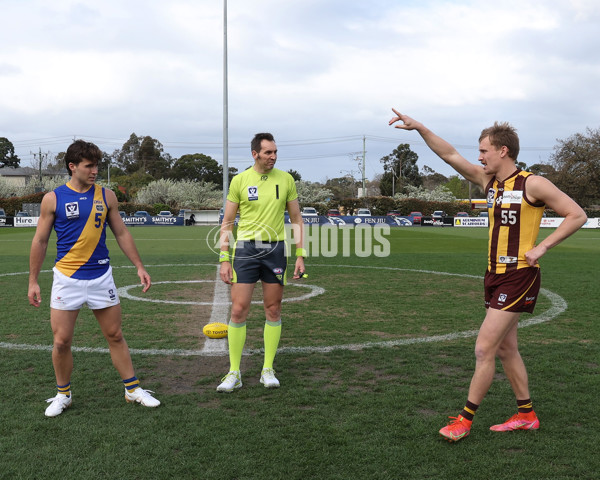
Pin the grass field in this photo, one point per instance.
(371, 366)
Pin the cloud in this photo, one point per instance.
(319, 74)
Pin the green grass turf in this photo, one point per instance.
(369, 413)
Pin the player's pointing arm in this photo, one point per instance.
(441, 148)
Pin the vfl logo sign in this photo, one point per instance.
(72, 210)
(252, 193)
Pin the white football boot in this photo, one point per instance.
(58, 404)
(268, 379)
(141, 396)
(230, 382)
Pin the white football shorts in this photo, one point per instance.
(71, 294)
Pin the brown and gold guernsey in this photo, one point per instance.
(514, 223)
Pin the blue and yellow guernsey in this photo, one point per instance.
(80, 225)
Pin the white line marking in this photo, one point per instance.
(559, 305)
(220, 300)
(219, 313)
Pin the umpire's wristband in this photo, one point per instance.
(301, 252)
(224, 257)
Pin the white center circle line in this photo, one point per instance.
(558, 306)
(124, 293)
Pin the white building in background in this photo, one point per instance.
(23, 176)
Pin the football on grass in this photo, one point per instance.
(215, 330)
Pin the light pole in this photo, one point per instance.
(225, 110)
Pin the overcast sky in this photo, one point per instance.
(321, 75)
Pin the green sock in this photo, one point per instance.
(236, 337)
(272, 334)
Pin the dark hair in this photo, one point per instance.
(79, 150)
(503, 135)
(257, 140)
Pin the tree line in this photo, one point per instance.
(574, 167)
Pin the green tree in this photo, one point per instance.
(131, 183)
(140, 154)
(152, 159)
(542, 169)
(7, 154)
(56, 164)
(126, 157)
(432, 179)
(458, 186)
(522, 166)
(577, 164)
(342, 187)
(399, 170)
(295, 175)
(201, 168)
(198, 167)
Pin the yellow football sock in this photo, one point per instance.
(64, 389)
(272, 334)
(236, 337)
(131, 384)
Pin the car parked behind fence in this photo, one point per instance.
(309, 211)
(416, 217)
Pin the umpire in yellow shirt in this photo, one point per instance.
(261, 194)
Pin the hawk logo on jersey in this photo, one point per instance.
(72, 210)
(490, 197)
(252, 193)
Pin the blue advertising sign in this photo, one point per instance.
(350, 221)
(347, 220)
(152, 220)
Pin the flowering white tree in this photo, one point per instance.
(181, 194)
(438, 194)
(311, 193)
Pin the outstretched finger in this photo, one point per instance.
(396, 119)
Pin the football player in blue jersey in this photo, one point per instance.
(79, 212)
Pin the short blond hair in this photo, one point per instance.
(503, 134)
